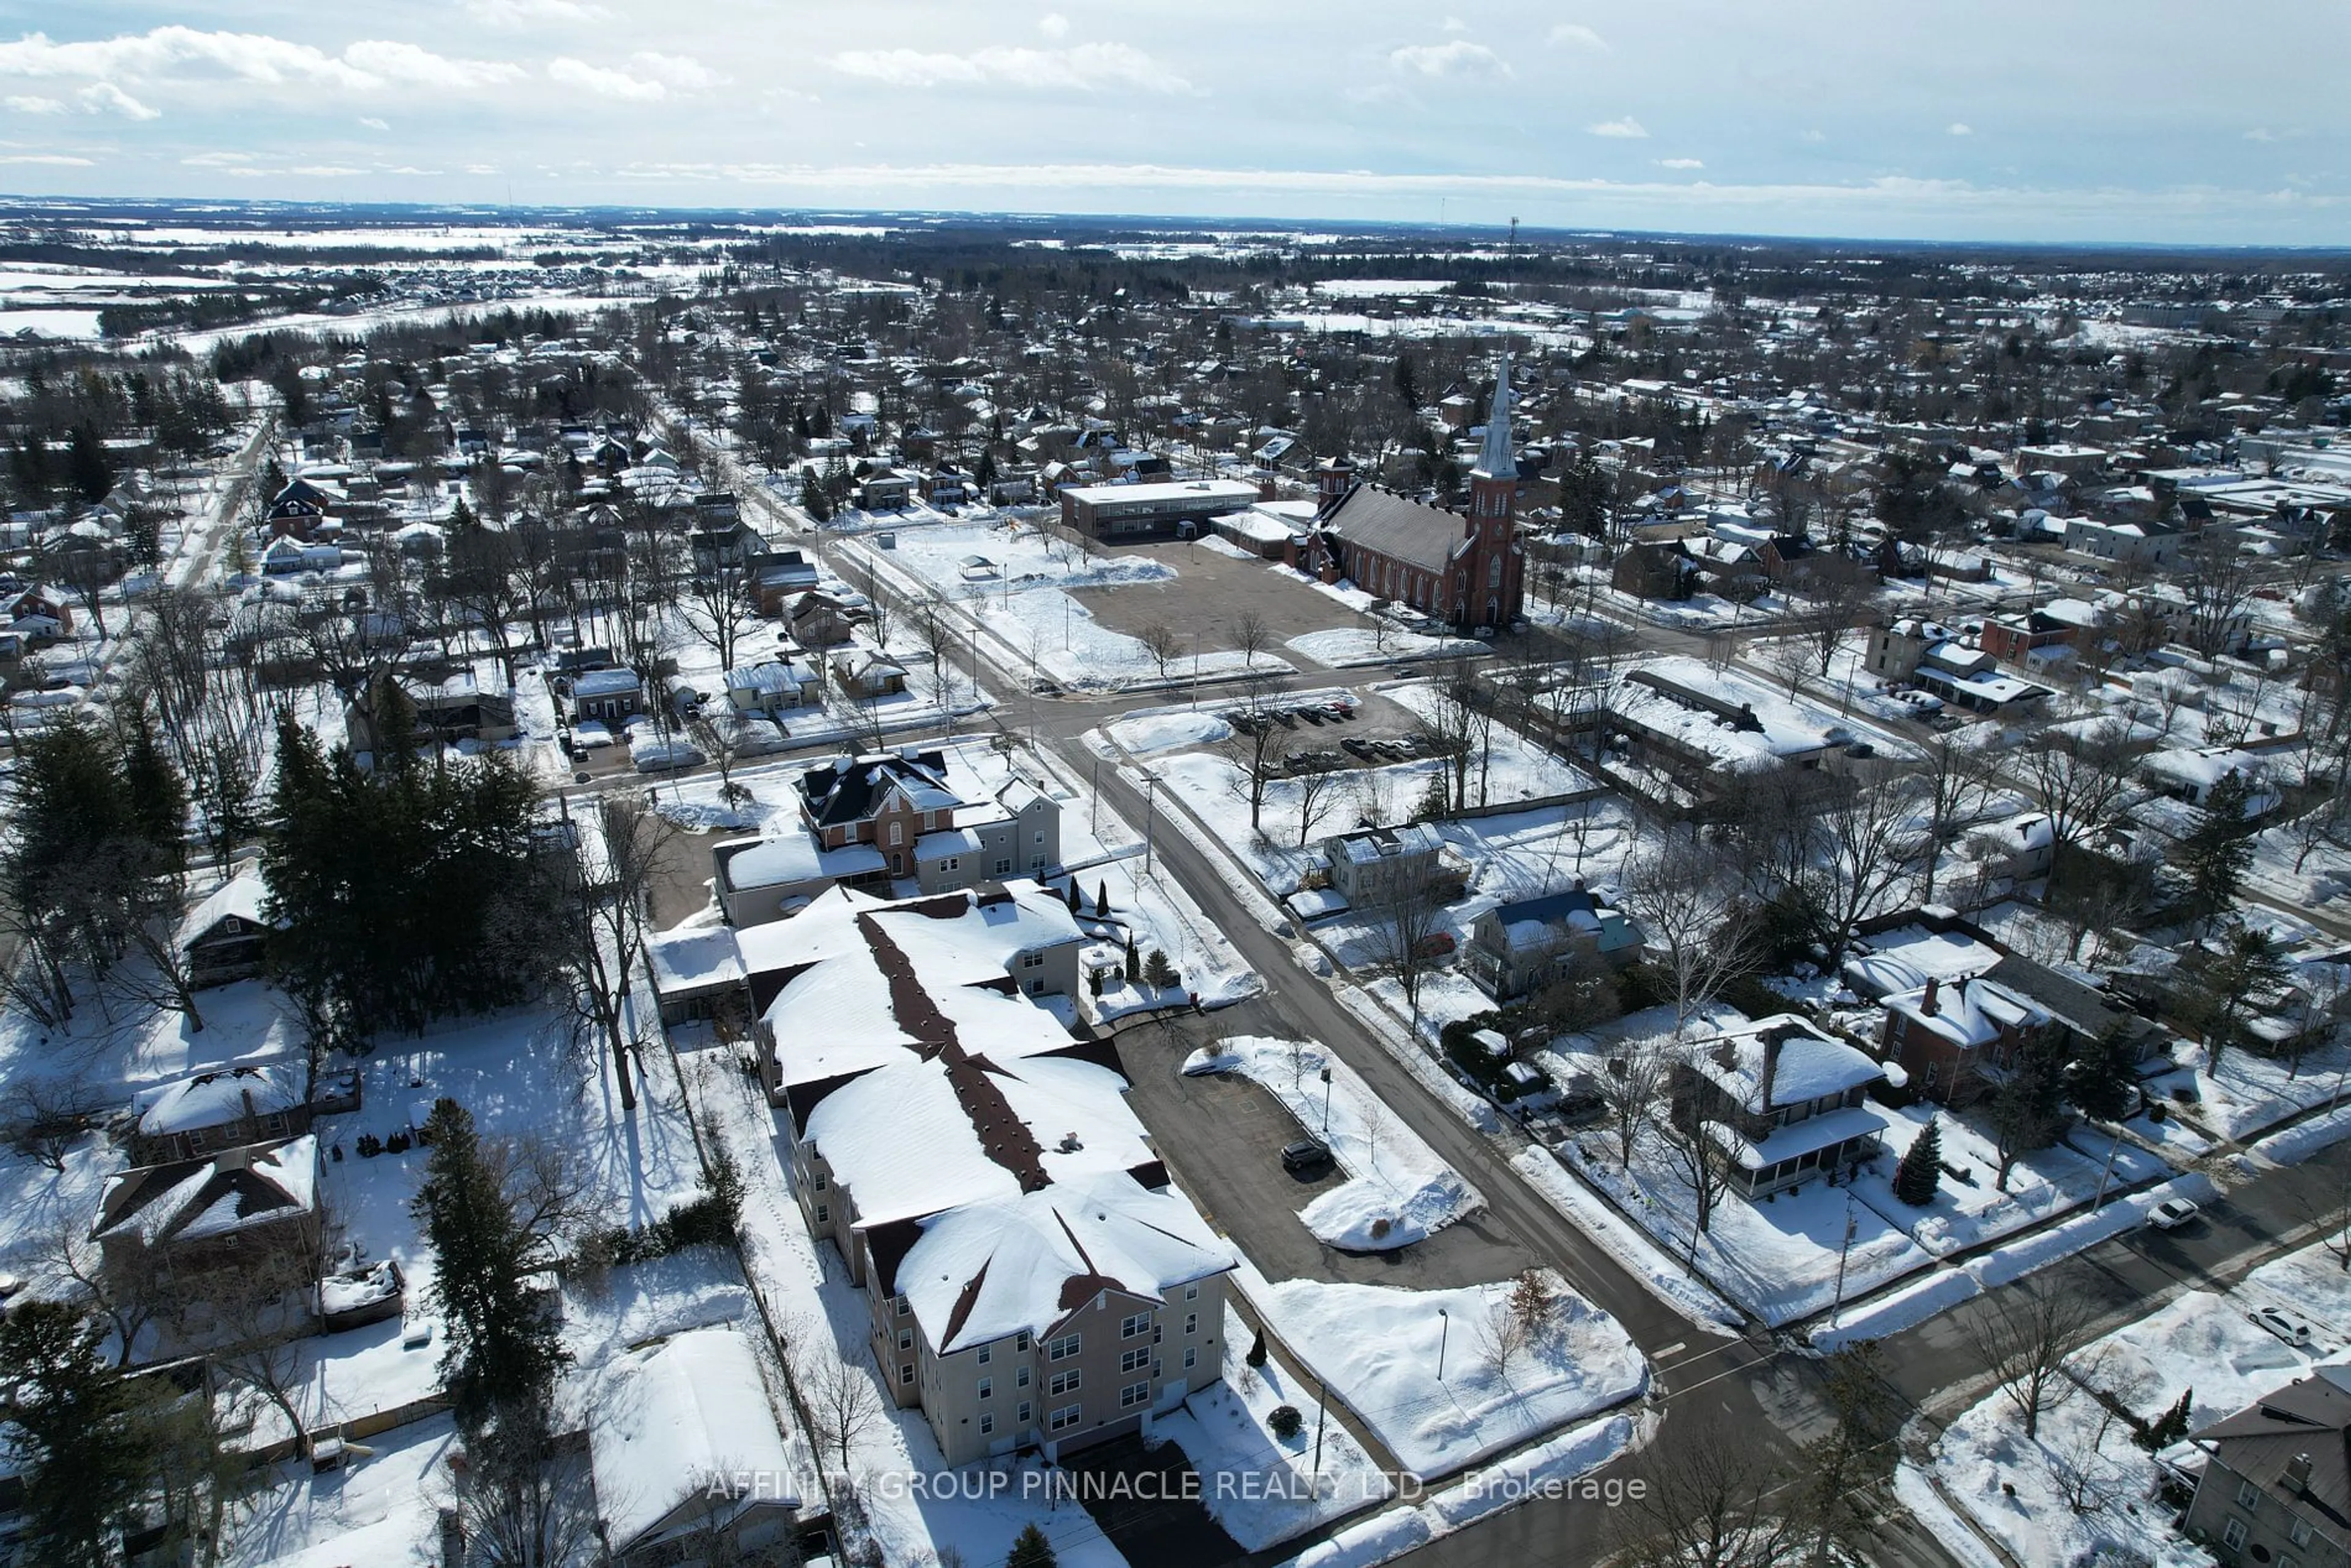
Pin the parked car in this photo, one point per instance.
(2286, 1326)
(2172, 1213)
(1305, 1154)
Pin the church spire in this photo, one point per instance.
(1497, 461)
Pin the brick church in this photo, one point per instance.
(1470, 570)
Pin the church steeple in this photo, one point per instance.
(1499, 460)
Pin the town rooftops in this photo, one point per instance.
(1743, 724)
(188, 1201)
(849, 789)
(2309, 1419)
(1397, 526)
(1968, 1011)
(1539, 922)
(242, 896)
(989, 1270)
(670, 1416)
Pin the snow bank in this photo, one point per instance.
(1907, 1306)
(1641, 1257)
(2020, 1256)
(1149, 734)
(2303, 1139)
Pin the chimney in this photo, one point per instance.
(1770, 1065)
(1928, 1005)
(2297, 1474)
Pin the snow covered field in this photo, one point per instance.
(1379, 1351)
(1401, 1192)
(2044, 1182)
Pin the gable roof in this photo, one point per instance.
(849, 789)
(2311, 1417)
(188, 1201)
(1397, 526)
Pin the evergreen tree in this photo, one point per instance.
(2171, 1425)
(1921, 1170)
(1102, 900)
(2103, 1081)
(74, 1430)
(1157, 972)
(1030, 1549)
(1133, 962)
(2219, 850)
(1076, 902)
(88, 468)
(157, 799)
(503, 1352)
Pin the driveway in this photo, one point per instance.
(1222, 1137)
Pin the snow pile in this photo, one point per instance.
(1345, 645)
(1148, 733)
(1401, 1191)
(1379, 1351)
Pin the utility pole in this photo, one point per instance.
(1845, 1251)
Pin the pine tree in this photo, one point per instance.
(88, 468)
(502, 1353)
(74, 1433)
(1102, 900)
(1032, 1550)
(158, 800)
(1158, 972)
(1076, 902)
(1133, 962)
(2171, 1425)
(1921, 1170)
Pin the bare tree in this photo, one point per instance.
(717, 606)
(1502, 1336)
(1687, 1139)
(1959, 782)
(2023, 1335)
(1870, 841)
(43, 1118)
(519, 1506)
(1406, 918)
(2217, 578)
(1319, 789)
(604, 918)
(1682, 892)
(2083, 778)
(1257, 749)
(1631, 1086)
(1714, 1500)
(842, 1400)
(1164, 644)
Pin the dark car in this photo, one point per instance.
(1305, 1154)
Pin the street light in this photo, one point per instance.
(1150, 814)
(1443, 1332)
(1326, 1102)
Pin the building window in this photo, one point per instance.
(2232, 1534)
(902, 1306)
(818, 1181)
(1191, 1293)
(987, 1388)
(1032, 960)
(1023, 1416)
(2299, 1532)
(1191, 1324)
(1063, 1418)
(905, 1339)
(984, 1351)
(1065, 1382)
(897, 834)
(823, 1214)
(1191, 1359)
(1063, 1348)
(1134, 1327)
(1004, 865)
(905, 1372)
(1134, 1360)
(1020, 1378)
(1020, 1340)
(2248, 1496)
(987, 1425)
(1132, 1394)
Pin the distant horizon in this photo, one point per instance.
(1993, 121)
(30, 203)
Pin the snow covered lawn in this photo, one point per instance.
(1401, 1192)
(2250, 1092)
(1345, 645)
(382, 1508)
(1262, 1489)
(2043, 1184)
(1151, 732)
(1378, 1349)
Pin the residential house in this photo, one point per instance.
(226, 937)
(1368, 866)
(1687, 735)
(40, 615)
(885, 491)
(688, 1454)
(769, 878)
(606, 696)
(221, 1109)
(1653, 569)
(771, 686)
(1780, 1103)
(1017, 832)
(866, 672)
(778, 577)
(1519, 947)
(821, 620)
(455, 708)
(253, 1209)
(1952, 1039)
(886, 798)
(2130, 543)
(2276, 1485)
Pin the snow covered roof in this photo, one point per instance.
(1968, 1013)
(192, 1199)
(670, 1416)
(240, 896)
(604, 683)
(1799, 1138)
(1903, 959)
(849, 789)
(991, 1270)
(213, 1099)
(1781, 1060)
(1742, 723)
(693, 957)
(789, 857)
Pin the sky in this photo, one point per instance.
(2137, 120)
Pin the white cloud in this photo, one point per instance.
(1680, 164)
(216, 159)
(1625, 130)
(517, 15)
(2258, 133)
(1577, 34)
(23, 104)
(602, 82)
(1958, 128)
(1086, 68)
(56, 160)
(480, 168)
(681, 71)
(180, 56)
(1458, 57)
(1813, 136)
(373, 123)
(1053, 25)
(105, 97)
